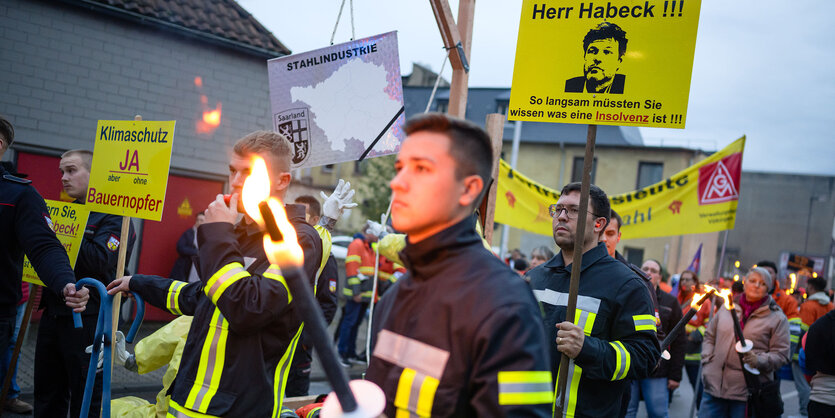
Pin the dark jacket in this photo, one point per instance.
(615, 311)
(244, 331)
(187, 251)
(670, 312)
(820, 344)
(25, 229)
(459, 334)
(97, 258)
(578, 84)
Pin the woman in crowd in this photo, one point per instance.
(725, 390)
(689, 286)
(540, 255)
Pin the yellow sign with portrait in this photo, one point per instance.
(130, 168)
(69, 221)
(619, 62)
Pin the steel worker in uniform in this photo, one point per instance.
(241, 342)
(459, 333)
(603, 49)
(613, 337)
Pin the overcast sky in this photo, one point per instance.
(765, 69)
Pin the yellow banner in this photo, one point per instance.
(616, 62)
(130, 168)
(701, 198)
(68, 220)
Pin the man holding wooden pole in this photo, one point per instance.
(60, 361)
(613, 335)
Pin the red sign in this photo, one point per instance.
(719, 181)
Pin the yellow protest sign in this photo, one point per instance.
(618, 62)
(130, 168)
(68, 220)
(700, 198)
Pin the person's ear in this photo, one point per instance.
(283, 182)
(473, 185)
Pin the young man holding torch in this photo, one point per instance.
(245, 328)
(614, 335)
(459, 334)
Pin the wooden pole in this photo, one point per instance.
(24, 325)
(574, 285)
(495, 129)
(454, 34)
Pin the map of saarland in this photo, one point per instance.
(339, 103)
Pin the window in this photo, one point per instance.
(649, 174)
(327, 168)
(634, 255)
(359, 167)
(577, 170)
(443, 106)
(501, 106)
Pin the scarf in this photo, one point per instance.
(748, 308)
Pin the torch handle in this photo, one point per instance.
(673, 334)
(314, 323)
(737, 327)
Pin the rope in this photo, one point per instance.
(437, 81)
(339, 16)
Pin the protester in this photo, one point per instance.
(245, 327)
(13, 402)
(819, 346)
(516, 254)
(762, 321)
(520, 266)
(60, 360)
(689, 288)
(359, 275)
(614, 337)
(184, 268)
(817, 302)
(459, 334)
(540, 255)
(26, 227)
(657, 389)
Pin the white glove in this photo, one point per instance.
(375, 228)
(121, 353)
(89, 350)
(339, 200)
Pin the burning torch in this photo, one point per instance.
(282, 248)
(695, 305)
(743, 345)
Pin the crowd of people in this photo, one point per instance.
(457, 331)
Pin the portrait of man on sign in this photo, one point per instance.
(603, 49)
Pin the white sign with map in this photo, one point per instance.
(340, 103)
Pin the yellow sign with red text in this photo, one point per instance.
(130, 168)
(615, 62)
(69, 221)
(701, 198)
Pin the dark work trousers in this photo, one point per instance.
(61, 367)
(298, 379)
(6, 330)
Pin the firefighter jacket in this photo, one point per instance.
(241, 341)
(25, 227)
(616, 314)
(97, 258)
(359, 271)
(459, 335)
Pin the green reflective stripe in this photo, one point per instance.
(172, 300)
(354, 280)
(352, 259)
(366, 294)
(222, 279)
(693, 356)
(347, 291)
(210, 367)
(644, 323)
(368, 271)
(804, 327)
(177, 411)
(281, 371)
(524, 377)
(525, 387)
(622, 360)
(794, 339)
(527, 398)
(274, 273)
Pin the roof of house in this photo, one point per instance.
(484, 100)
(218, 20)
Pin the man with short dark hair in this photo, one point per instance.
(60, 360)
(603, 50)
(458, 335)
(245, 328)
(613, 337)
(26, 228)
(817, 302)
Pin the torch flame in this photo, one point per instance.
(212, 117)
(288, 251)
(694, 303)
(794, 283)
(256, 190)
